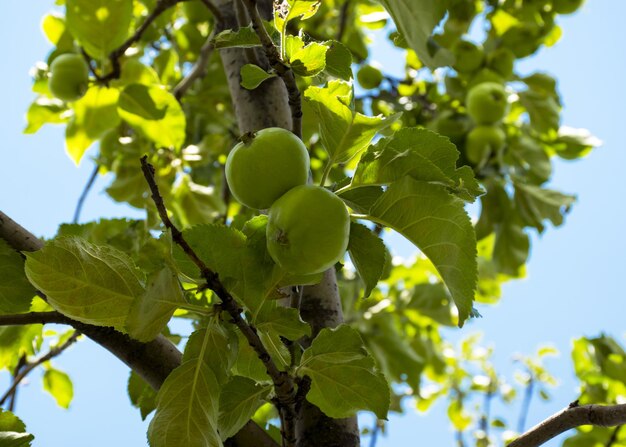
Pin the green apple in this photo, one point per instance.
(487, 103)
(566, 6)
(369, 77)
(308, 230)
(523, 39)
(502, 62)
(469, 56)
(265, 165)
(483, 141)
(69, 77)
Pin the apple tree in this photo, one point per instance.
(272, 156)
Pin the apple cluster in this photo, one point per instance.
(308, 226)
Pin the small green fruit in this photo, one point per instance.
(482, 141)
(69, 77)
(469, 56)
(487, 103)
(369, 77)
(308, 230)
(566, 6)
(266, 165)
(452, 125)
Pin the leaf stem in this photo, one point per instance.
(327, 169)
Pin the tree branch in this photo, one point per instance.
(83, 196)
(198, 71)
(283, 382)
(282, 70)
(152, 361)
(343, 20)
(572, 417)
(29, 366)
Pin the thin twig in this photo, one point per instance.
(343, 19)
(484, 420)
(13, 396)
(283, 382)
(29, 366)
(613, 438)
(83, 195)
(528, 394)
(375, 431)
(199, 69)
(116, 69)
(571, 417)
(281, 69)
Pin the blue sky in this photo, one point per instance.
(574, 278)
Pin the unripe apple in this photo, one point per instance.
(369, 77)
(566, 6)
(452, 125)
(308, 230)
(265, 165)
(483, 141)
(469, 56)
(69, 77)
(487, 103)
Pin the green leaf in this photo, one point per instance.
(89, 283)
(45, 111)
(100, 26)
(59, 385)
(291, 9)
(141, 394)
(369, 255)
(343, 378)
(416, 20)
(252, 76)
(575, 143)
(150, 312)
(436, 222)
(94, 114)
(284, 321)
(217, 346)
(218, 246)
(18, 341)
(244, 37)
(306, 60)
(155, 112)
(543, 110)
(188, 401)
(338, 60)
(535, 204)
(248, 363)
(344, 132)
(512, 244)
(196, 204)
(53, 26)
(187, 408)
(239, 400)
(16, 292)
(419, 153)
(433, 301)
(13, 431)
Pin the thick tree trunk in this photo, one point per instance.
(268, 106)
